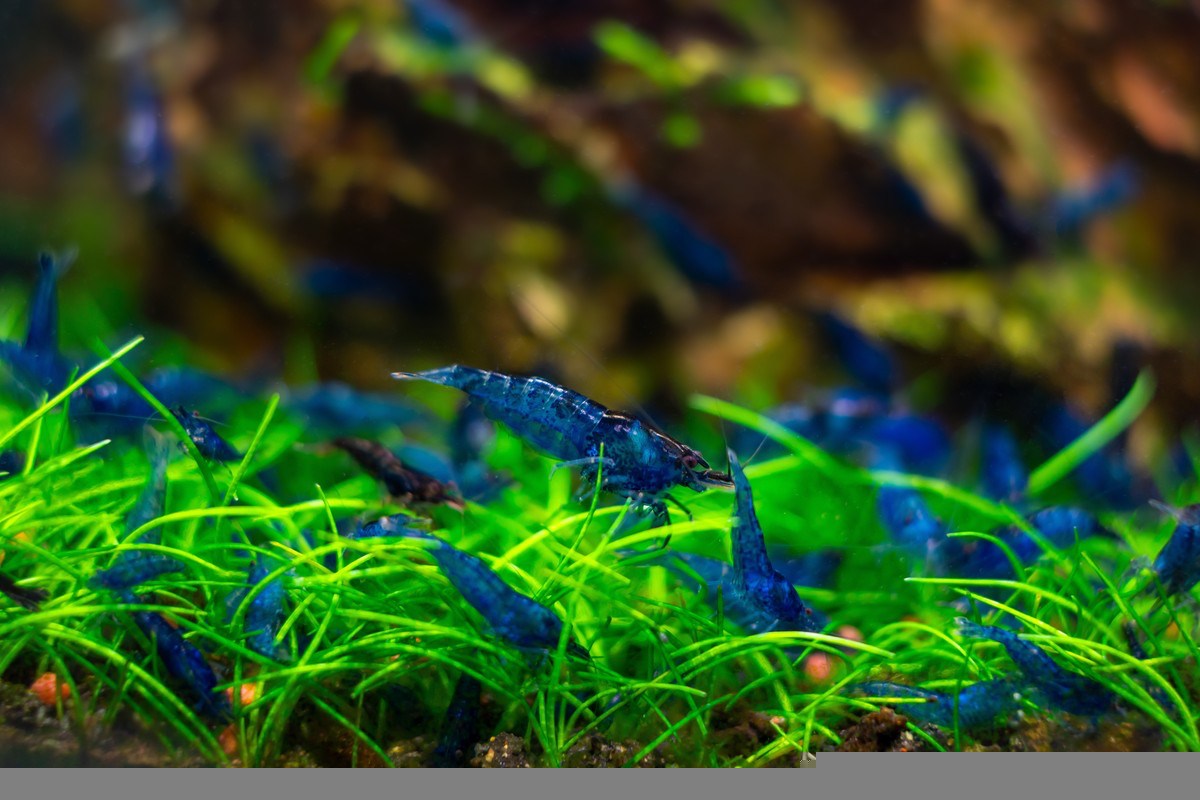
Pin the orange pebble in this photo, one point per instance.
(818, 666)
(849, 632)
(228, 740)
(249, 691)
(48, 688)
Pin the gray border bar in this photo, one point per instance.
(976, 776)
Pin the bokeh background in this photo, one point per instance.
(638, 198)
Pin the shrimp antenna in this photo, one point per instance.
(1169, 510)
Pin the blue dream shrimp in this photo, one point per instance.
(37, 363)
(114, 407)
(384, 527)
(978, 558)
(1067, 691)
(514, 617)
(755, 580)
(852, 418)
(469, 436)
(336, 408)
(440, 23)
(265, 613)
(1071, 211)
(11, 463)
(697, 256)
(183, 660)
(981, 706)
(463, 725)
(920, 442)
(207, 441)
(1016, 237)
(151, 504)
(1005, 477)
(903, 511)
(639, 462)
(465, 467)
(131, 568)
(1177, 565)
(863, 358)
(1105, 477)
(149, 157)
(814, 569)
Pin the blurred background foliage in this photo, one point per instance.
(638, 198)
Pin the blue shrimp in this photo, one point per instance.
(151, 504)
(1016, 238)
(514, 617)
(207, 441)
(864, 359)
(815, 568)
(470, 435)
(847, 415)
(176, 385)
(920, 442)
(1072, 210)
(1059, 525)
(1004, 475)
(557, 421)
(463, 726)
(982, 706)
(903, 511)
(399, 480)
(136, 567)
(697, 256)
(852, 418)
(440, 23)
(716, 577)
(133, 569)
(183, 661)
(1177, 565)
(110, 406)
(61, 117)
(336, 407)
(37, 363)
(1105, 476)
(266, 612)
(428, 460)
(639, 461)
(891, 103)
(755, 580)
(979, 558)
(122, 409)
(385, 527)
(801, 419)
(1068, 691)
(149, 155)
(11, 463)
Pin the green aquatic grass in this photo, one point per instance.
(1108, 428)
(371, 617)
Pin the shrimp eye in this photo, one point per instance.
(690, 461)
